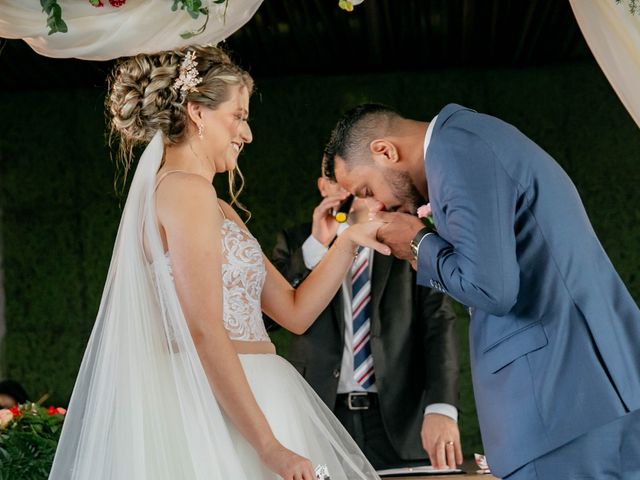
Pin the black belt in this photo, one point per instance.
(358, 400)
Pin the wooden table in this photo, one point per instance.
(468, 466)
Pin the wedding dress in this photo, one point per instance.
(142, 407)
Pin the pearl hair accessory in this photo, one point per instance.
(188, 77)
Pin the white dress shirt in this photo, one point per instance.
(312, 253)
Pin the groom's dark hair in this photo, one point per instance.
(354, 132)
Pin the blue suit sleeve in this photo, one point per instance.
(476, 263)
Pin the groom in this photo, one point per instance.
(554, 333)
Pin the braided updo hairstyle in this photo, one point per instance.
(142, 98)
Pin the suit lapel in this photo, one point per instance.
(336, 305)
(379, 277)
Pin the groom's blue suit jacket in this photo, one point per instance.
(554, 333)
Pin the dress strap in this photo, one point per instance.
(165, 174)
(222, 211)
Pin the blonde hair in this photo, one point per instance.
(142, 98)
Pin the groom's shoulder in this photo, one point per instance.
(456, 121)
(454, 113)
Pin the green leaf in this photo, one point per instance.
(54, 19)
(204, 11)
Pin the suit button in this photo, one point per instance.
(336, 373)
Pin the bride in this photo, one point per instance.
(180, 379)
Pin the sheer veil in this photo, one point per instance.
(142, 406)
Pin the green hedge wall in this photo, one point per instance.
(61, 210)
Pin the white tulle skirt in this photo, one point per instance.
(300, 421)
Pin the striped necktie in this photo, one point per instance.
(361, 308)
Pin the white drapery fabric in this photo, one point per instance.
(613, 35)
(104, 33)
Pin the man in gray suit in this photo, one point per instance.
(402, 400)
(554, 333)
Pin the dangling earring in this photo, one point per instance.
(200, 130)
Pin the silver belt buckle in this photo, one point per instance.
(352, 395)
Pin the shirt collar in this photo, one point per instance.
(427, 137)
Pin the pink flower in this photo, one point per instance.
(5, 417)
(424, 211)
(56, 411)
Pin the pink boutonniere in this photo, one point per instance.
(424, 212)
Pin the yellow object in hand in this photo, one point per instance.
(341, 217)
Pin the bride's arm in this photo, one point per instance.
(297, 308)
(188, 214)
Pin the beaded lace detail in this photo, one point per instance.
(243, 276)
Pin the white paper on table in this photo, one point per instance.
(420, 470)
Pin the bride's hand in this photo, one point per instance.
(287, 464)
(364, 234)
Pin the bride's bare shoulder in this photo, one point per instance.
(176, 181)
(183, 193)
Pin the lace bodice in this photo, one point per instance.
(243, 276)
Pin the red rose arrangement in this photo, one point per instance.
(113, 3)
(29, 435)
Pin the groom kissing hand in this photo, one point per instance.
(554, 333)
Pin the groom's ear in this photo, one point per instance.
(384, 152)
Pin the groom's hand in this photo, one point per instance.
(398, 231)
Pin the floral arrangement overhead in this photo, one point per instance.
(29, 434)
(52, 8)
(194, 8)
